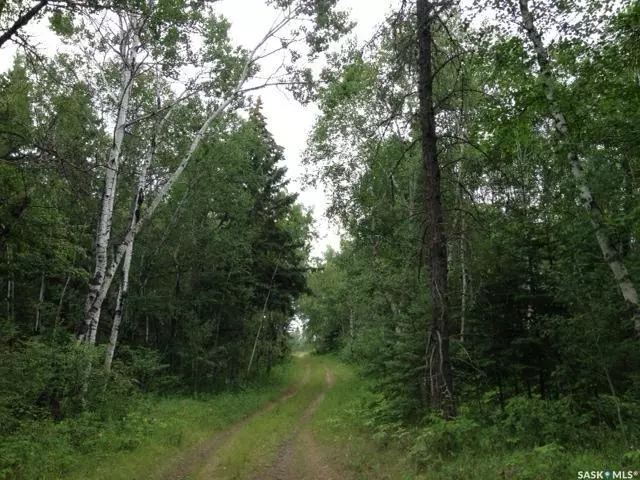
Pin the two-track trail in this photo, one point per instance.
(276, 442)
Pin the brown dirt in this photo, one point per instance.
(319, 467)
(299, 457)
(188, 463)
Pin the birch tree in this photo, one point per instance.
(575, 159)
(221, 80)
(129, 34)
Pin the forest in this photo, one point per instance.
(161, 299)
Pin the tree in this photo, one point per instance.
(231, 84)
(438, 363)
(278, 252)
(609, 253)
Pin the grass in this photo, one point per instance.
(154, 431)
(141, 444)
(341, 427)
(346, 441)
(255, 446)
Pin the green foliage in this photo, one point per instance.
(151, 430)
(543, 345)
(544, 352)
(62, 23)
(441, 440)
(533, 422)
(471, 446)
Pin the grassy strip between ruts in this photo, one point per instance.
(255, 446)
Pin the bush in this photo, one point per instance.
(442, 439)
(532, 422)
(144, 367)
(40, 381)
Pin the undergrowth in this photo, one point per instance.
(138, 436)
(530, 440)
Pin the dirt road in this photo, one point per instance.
(276, 442)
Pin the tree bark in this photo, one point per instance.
(100, 284)
(463, 266)
(22, 21)
(596, 216)
(438, 363)
(36, 327)
(120, 306)
(136, 213)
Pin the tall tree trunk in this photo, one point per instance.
(596, 216)
(123, 291)
(438, 363)
(463, 266)
(61, 304)
(462, 224)
(115, 327)
(36, 327)
(99, 286)
(11, 289)
(136, 213)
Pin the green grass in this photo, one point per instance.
(340, 430)
(142, 444)
(341, 427)
(255, 446)
(139, 444)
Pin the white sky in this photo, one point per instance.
(289, 122)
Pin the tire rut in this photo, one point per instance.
(208, 465)
(185, 465)
(314, 466)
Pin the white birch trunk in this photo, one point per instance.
(136, 208)
(120, 306)
(97, 290)
(596, 217)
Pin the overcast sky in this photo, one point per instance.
(289, 122)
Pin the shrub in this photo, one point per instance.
(444, 439)
(532, 422)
